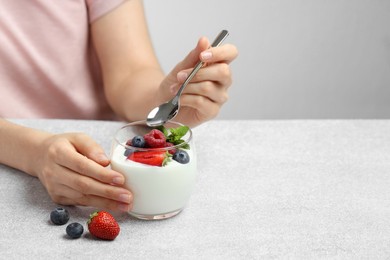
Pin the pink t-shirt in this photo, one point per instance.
(48, 68)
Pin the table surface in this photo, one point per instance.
(265, 189)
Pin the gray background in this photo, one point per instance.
(298, 59)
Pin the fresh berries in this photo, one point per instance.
(181, 156)
(154, 158)
(128, 152)
(74, 230)
(103, 225)
(138, 141)
(171, 151)
(155, 139)
(59, 216)
(170, 139)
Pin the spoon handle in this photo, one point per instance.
(218, 40)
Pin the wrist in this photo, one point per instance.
(20, 146)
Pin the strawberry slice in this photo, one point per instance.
(154, 158)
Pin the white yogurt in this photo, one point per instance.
(156, 190)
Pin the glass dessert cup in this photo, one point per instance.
(159, 192)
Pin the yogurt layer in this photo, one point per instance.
(156, 190)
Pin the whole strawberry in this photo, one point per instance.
(103, 225)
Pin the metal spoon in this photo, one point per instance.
(161, 114)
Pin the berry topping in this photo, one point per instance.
(160, 137)
(171, 151)
(59, 216)
(138, 141)
(103, 225)
(155, 139)
(181, 156)
(154, 158)
(74, 230)
(128, 152)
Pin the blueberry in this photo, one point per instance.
(74, 230)
(138, 141)
(59, 216)
(128, 152)
(181, 156)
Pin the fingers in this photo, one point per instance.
(217, 69)
(88, 147)
(71, 177)
(224, 53)
(199, 107)
(217, 72)
(211, 82)
(193, 57)
(82, 165)
(207, 90)
(68, 196)
(69, 186)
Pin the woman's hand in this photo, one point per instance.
(208, 90)
(72, 167)
(134, 82)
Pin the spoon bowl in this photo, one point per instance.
(161, 114)
(166, 111)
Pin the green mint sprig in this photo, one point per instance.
(175, 135)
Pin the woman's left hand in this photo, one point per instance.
(204, 96)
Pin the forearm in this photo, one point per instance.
(131, 72)
(19, 145)
(134, 97)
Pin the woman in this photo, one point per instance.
(90, 59)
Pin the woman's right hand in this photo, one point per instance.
(72, 167)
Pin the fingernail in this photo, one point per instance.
(125, 198)
(206, 55)
(118, 180)
(181, 76)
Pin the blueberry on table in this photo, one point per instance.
(74, 230)
(181, 156)
(59, 216)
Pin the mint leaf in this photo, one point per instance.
(180, 131)
(185, 146)
(163, 130)
(176, 134)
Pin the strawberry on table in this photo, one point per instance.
(154, 158)
(103, 225)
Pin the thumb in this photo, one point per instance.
(193, 56)
(86, 146)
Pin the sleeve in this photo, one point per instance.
(98, 8)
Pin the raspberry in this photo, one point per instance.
(155, 139)
(171, 151)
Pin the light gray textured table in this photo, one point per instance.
(265, 189)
